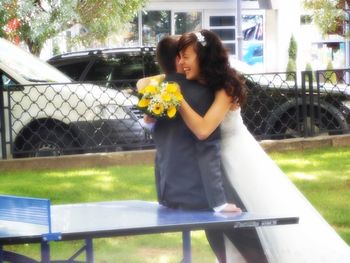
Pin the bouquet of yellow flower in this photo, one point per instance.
(160, 98)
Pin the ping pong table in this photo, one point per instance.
(87, 221)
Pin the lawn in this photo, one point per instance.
(323, 175)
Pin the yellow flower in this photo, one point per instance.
(171, 111)
(171, 87)
(160, 99)
(151, 89)
(157, 109)
(166, 96)
(143, 102)
(179, 96)
(142, 90)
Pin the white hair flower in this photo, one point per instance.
(201, 38)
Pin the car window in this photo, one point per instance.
(131, 68)
(101, 69)
(28, 66)
(74, 70)
(6, 81)
(9, 84)
(151, 66)
(117, 68)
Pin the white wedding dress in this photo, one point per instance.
(265, 189)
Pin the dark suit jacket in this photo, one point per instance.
(188, 171)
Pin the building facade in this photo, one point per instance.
(257, 32)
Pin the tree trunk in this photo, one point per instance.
(342, 4)
(34, 47)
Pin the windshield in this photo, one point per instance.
(28, 66)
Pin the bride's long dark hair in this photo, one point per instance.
(214, 64)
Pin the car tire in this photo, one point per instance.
(292, 123)
(45, 142)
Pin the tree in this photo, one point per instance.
(292, 57)
(40, 20)
(329, 15)
(292, 49)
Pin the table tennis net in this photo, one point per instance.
(25, 209)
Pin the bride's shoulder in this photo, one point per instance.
(235, 108)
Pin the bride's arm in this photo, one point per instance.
(202, 127)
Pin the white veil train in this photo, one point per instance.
(264, 188)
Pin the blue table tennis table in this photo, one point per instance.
(30, 220)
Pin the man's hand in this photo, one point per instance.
(230, 208)
(147, 122)
(148, 119)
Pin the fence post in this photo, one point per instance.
(303, 100)
(2, 122)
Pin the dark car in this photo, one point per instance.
(276, 108)
(113, 64)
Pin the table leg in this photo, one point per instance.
(45, 252)
(186, 246)
(89, 251)
(1, 255)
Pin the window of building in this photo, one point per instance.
(155, 25)
(222, 21)
(131, 33)
(224, 27)
(187, 22)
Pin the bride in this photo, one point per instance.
(261, 185)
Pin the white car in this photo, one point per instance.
(45, 113)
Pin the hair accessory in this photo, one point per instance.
(201, 38)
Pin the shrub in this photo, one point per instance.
(330, 75)
(293, 49)
(308, 67)
(291, 67)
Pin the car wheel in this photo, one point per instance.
(47, 142)
(328, 120)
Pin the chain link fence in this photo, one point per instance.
(69, 118)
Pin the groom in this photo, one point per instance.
(188, 171)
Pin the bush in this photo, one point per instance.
(308, 67)
(55, 49)
(292, 55)
(291, 67)
(330, 75)
(293, 49)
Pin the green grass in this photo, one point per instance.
(324, 178)
(323, 175)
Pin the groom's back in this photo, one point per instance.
(179, 165)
